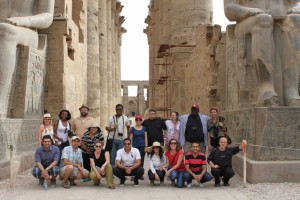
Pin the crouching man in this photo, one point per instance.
(128, 163)
(46, 159)
(220, 160)
(71, 164)
(195, 166)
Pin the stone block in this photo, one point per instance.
(22, 135)
(272, 133)
(267, 171)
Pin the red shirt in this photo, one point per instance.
(174, 158)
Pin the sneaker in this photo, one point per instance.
(86, 179)
(122, 182)
(172, 183)
(136, 182)
(189, 185)
(53, 182)
(151, 183)
(226, 184)
(201, 184)
(72, 182)
(217, 184)
(66, 184)
(41, 182)
(162, 183)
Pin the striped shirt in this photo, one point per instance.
(195, 164)
(89, 141)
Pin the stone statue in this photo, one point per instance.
(19, 21)
(257, 17)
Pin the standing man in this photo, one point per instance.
(195, 166)
(193, 128)
(83, 122)
(220, 160)
(46, 159)
(71, 164)
(128, 163)
(154, 126)
(118, 127)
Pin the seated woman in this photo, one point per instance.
(100, 165)
(157, 163)
(175, 162)
(216, 128)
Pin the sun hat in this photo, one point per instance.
(47, 115)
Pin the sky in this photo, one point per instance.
(134, 47)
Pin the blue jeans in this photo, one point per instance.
(117, 144)
(37, 173)
(177, 175)
(205, 178)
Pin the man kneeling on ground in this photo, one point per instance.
(46, 159)
(71, 164)
(128, 163)
(195, 166)
(220, 160)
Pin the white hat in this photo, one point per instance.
(75, 137)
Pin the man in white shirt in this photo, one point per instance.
(128, 163)
(118, 127)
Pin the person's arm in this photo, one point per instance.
(211, 160)
(137, 163)
(42, 16)
(146, 139)
(84, 147)
(108, 126)
(151, 165)
(119, 165)
(130, 134)
(180, 158)
(107, 161)
(93, 166)
(236, 12)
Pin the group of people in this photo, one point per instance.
(76, 150)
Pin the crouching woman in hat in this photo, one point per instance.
(157, 163)
(100, 164)
(87, 143)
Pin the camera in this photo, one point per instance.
(71, 133)
(120, 134)
(194, 128)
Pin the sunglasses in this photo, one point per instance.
(97, 146)
(156, 147)
(127, 144)
(173, 142)
(139, 120)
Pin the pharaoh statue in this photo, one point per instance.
(257, 17)
(19, 21)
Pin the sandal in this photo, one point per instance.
(111, 187)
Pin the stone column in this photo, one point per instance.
(93, 71)
(103, 64)
(141, 99)
(125, 98)
(109, 61)
(113, 56)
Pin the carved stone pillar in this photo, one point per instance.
(93, 71)
(103, 63)
(141, 99)
(109, 60)
(125, 98)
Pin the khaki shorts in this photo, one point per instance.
(74, 173)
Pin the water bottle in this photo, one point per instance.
(45, 186)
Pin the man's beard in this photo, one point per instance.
(84, 114)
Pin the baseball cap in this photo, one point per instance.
(75, 137)
(195, 106)
(138, 117)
